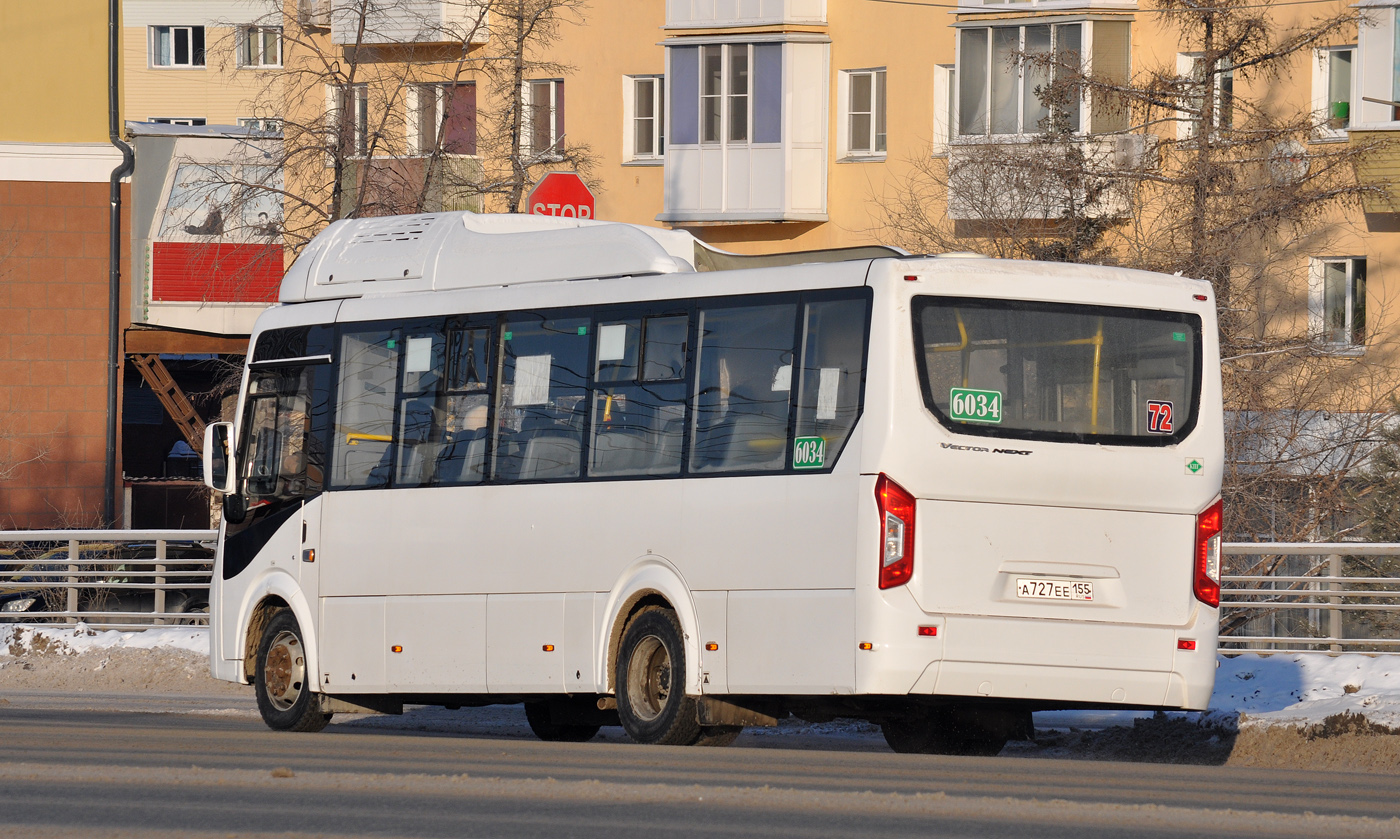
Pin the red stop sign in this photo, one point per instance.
(561, 194)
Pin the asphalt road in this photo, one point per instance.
(72, 772)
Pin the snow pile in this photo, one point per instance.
(29, 640)
(1304, 689)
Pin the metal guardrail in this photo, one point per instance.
(78, 573)
(1296, 597)
(1250, 602)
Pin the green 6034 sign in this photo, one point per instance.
(971, 405)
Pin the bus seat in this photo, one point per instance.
(621, 452)
(551, 456)
(756, 441)
(462, 456)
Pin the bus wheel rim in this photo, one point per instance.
(649, 678)
(284, 671)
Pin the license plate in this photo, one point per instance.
(1054, 589)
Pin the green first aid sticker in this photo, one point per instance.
(970, 405)
(808, 453)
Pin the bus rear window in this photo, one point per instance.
(1050, 371)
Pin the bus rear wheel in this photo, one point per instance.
(650, 679)
(284, 694)
(540, 716)
(943, 732)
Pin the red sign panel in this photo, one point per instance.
(561, 194)
(209, 272)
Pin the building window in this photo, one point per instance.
(863, 94)
(270, 125)
(178, 120)
(945, 82)
(347, 112)
(1332, 81)
(544, 117)
(1193, 69)
(724, 93)
(177, 46)
(644, 105)
(1337, 301)
(443, 116)
(260, 46)
(1002, 73)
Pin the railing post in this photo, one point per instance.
(72, 581)
(160, 581)
(1334, 616)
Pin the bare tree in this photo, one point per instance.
(1210, 176)
(399, 106)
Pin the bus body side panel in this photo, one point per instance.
(784, 541)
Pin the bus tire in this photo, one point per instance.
(651, 700)
(941, 732)
(284, 694)
(541, 720)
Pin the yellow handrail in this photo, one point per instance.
(353, 438)
(1094, 389)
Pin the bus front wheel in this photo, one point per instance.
(651, 700)
(284, 694)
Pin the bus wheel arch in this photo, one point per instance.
(652, 581)
(258, 620)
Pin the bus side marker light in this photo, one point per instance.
(1200, 297)
(308, 555)
(910, 278)
(712, 646)
(396, 648)
(867, 646)
(1186, 644)
(928, 631)
(549, 648)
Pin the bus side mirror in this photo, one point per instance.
(219, 470)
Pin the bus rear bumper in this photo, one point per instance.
(1102, 665)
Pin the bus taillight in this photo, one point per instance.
(1206, 580)
(896, 532)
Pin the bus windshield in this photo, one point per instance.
(1057, 372)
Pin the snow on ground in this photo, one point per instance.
(18, 640)
(1251, 690)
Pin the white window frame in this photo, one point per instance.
(1324, 129)
(1317, 313)
(527, 134)
(176, 31)
(252, 45)
(1186, 68)
(945, 91)
(190, 121)
(415, 103)
(1085, 60)
(630, 86)
(845, 145)
(360, 102)
(726, 96)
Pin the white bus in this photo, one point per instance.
(509, 459)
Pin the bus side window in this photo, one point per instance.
(466, 407)
(542, 401)
(639, 397)
(421, 413)
(364, 417)
(833, 354)
(743, 390)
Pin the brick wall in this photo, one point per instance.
(53, 351)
